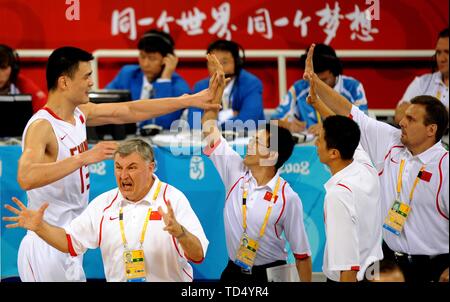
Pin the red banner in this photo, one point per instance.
(256, 24)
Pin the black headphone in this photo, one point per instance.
(234, 48)
(13, 58)
(156, 35)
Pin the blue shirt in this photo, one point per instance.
(246, 99)
(131, 78)
(294, 102)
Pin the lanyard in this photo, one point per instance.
(147, 218)
(399, 181)
(269, 209)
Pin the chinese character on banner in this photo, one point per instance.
(222, 18)
(331, 19)
(361, 23)
(192, 23)
(164, 20)
(124, 22)
(301, 23)
(145, 21)
(261, 24)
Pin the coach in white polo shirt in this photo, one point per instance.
(413, 168)
(146, 229)
(434, 84)
(259, 204)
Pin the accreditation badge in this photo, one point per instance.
(246, 253)
(134, 265)
(396, 217)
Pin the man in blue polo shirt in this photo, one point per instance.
(155, 76)
(296, 114)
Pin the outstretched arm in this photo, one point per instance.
(336, 102)
(34, 221)
(140, 110)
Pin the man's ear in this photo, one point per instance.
(431, 130)
(334, 153)
(62, 82)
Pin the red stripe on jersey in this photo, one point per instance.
(282, 210)
(100, 232)
(232, 188)
(301, 256)
(71, 250)
(344, 187)
(355, 268)
(440, 185)
(164, 195)
(188, 274)
(52, 113)
(111, 202)
(81, 119)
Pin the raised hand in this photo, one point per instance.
(101, 151)
(172, 225)
(26, 218)
(170, 62)
(309, 66)
(312, 98)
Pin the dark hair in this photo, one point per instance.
(324, 58)
(444, 33)
(281, 141)
(232, 47)
(155, 40)
(343, 134)
(64, 61)
(435, 113)
(9, 57)
(387, 265)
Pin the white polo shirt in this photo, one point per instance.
(352, 213)
(426, 229)
(427, 84)
(286, 215)
(98, 226)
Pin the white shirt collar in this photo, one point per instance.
(336, 178)
(430, 154)
(270, 185)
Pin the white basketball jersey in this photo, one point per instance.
(67, 197)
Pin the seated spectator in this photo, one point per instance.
(155, 76)
(14, 82)
(296, 114)
(242, 98)
(434, 84)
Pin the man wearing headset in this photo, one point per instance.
(242, 97)
(155, 76)
(296, 114)
(434, 84)
(14, 82)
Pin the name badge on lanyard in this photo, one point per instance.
(134, 265)
(398, 213)
(134, 261)
(248, 247)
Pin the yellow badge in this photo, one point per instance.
(246, 253)
(134, 265)
(396, 217)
